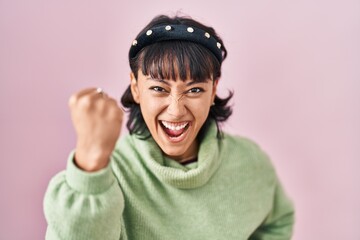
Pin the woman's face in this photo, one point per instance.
(174, 111)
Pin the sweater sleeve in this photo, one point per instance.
(278, 225)
(83, 205)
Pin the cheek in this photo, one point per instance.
(150, 109)
(200, 110)
(202, 113)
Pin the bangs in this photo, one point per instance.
(182, 60)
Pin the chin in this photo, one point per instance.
(175, 152)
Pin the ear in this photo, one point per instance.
(213, 94)
(134, 88)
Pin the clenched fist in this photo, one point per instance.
(97, 120)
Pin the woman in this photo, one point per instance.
(175, 175)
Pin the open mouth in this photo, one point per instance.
(174, 129)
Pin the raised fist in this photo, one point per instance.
(97, 120)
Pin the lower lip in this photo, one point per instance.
(176, 139)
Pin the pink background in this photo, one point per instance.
(294, 66)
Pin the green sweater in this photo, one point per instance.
(232, 192)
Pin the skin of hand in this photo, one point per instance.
(97, 120)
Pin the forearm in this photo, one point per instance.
(81, 205)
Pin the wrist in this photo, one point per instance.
(91, 161)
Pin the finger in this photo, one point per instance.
(86, 92)
(114, 102)
(96, 94)
(76, 96)
(100, 92)
(93, 92)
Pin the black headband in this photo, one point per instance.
(176, 32)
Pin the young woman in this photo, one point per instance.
(175, 175)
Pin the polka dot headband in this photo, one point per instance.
(176, 32)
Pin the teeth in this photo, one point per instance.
(174, 126)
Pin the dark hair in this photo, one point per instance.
(172, 59)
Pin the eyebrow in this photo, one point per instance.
(167, 83)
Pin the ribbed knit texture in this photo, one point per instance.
(232, 192)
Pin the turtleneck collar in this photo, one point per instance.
(181, 176)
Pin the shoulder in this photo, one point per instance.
(242, 143)
(247, 151)
(131, 149)
(125, 140)
(124, 147)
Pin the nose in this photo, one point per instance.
(176, 106)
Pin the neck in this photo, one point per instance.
(188, 160)
(190, 154)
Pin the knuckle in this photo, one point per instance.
(111, 100)
(85, 102)
(72, 100)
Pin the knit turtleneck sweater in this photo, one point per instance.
(231, 192)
